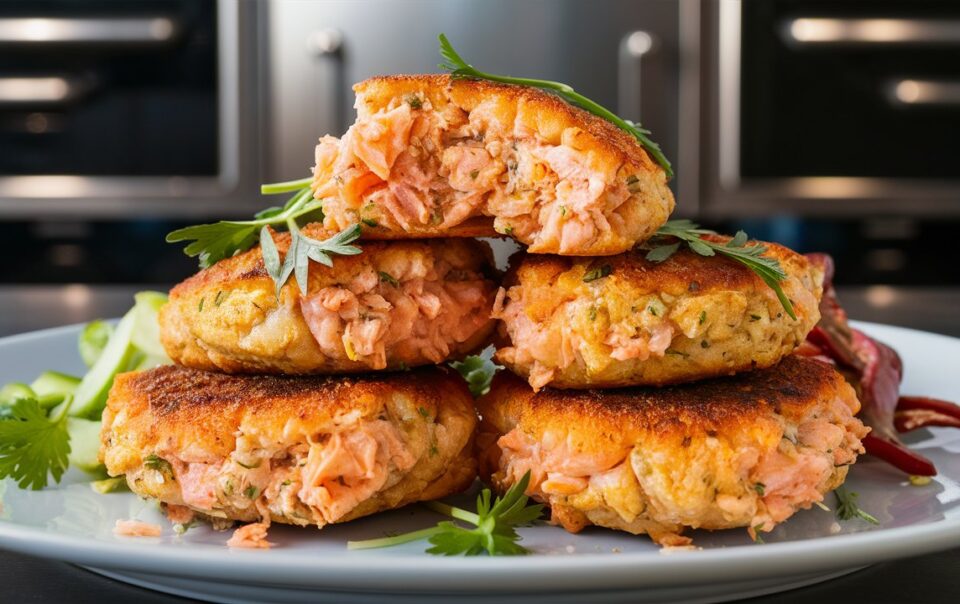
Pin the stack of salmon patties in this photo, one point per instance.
(648, 397)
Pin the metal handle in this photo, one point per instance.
(634, 46)
(62, 30)
(36, 90)
(326, 45)
(913, 93)
(823, 31)
(325, 42)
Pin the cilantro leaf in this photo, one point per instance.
(32, 446)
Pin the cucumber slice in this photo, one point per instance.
(109, 485)
(93, 339)
(15, 391)
(54, 382)
(146, 332)
(149, 361)
(91, 394)
(84, 444)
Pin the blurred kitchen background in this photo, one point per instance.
(825, 125)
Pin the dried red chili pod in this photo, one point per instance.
(899, 456)
(918, 411)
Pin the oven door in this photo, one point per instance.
(123, 108)
(837, 108)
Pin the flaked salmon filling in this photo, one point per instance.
(546, 350)
(618, 486)
(136, 528)
(315, 482)
(598, 331)
(413, 308)
(409, 166)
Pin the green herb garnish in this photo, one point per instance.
(598, 272)
(388, 278)
(155, 462)
(495, 526)
(751, 256)
(847, 508)
(303, 249)
(459, 68)
(219, 240)
(478, 370)
(216, 241)
(33, 446)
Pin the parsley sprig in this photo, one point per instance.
(847, 508)
(33, 446)
(459, 68)
(494, 524)
(751, 256)
(219, 240)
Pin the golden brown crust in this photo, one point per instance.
(647, 323)
(187, 416)
(228, 318)
(743, 451)
(545, 113)
(683, 273)
(624, 416)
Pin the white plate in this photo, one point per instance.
(74, 524)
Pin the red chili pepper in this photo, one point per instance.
(899, 456)
(875, 371)
(918, 411)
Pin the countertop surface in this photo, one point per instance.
(930, 578)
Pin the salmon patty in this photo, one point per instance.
(743, 451)
(626, 321)
(430, 155)
(395, 305)
(305, 450)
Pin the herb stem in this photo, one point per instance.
(396, 540)
(285, 187)
(453, 512)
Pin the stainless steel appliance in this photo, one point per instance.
(768, 108)
(127, 108)
(840, 108)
